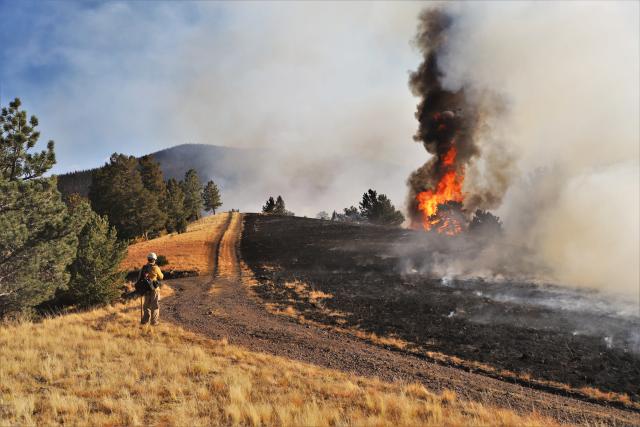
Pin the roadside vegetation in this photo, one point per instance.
(133, 194)
(65, 252)
(110, 371)
(51, 252)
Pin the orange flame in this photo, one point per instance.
(449, 188)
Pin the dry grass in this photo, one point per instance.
(314, 297)
(102, 368)
(190, 251)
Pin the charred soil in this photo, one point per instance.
(347, 277)
(225, 306)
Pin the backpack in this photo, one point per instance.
(144, 284)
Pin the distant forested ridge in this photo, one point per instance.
(224, 165)
(246, 176)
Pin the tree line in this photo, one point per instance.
(133, 194)
(276, 207)
(67, 251)
(48, 247)
(374, 208)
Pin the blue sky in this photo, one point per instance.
(136, 77)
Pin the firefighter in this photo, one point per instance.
(151, 272)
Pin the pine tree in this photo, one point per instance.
(280, 208)
(95, 276)
(485, 224)
(176, 217)
(17, 137)
(37, 238)
(211, 197)
(378, 209)
(269, 206)
(351, 214)
(192, 189)
(153, 181)
(152, 178)
(118, 192)
(37, 242)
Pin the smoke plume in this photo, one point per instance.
(451, 125)
(542, 80)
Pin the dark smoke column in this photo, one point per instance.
(447, 124)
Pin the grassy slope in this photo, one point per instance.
(102, 368)
(186, 252)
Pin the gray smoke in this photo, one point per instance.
(454, 118)
(568, 188)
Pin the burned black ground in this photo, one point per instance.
(372, 292)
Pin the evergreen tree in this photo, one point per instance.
(153, 181)
(118, 192)
(486, 224)
(192, 189)
(378, 209)
(37, 242)
(269, 206)
(351, 214)
(37, 238)
(152, 178)
(279, 208)
(181, 225)
(17, 137)
(211, 197)
(95, 276)
(176, 217)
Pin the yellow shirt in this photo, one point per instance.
(154, 272)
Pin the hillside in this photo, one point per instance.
(223, 164)
(111, 371)
(284, 318)
(187, 252)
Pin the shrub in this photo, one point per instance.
(181, 226)
(95, 275)
(378, 209)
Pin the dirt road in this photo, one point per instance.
(222, 307)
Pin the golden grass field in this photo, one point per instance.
(102, 368)
(190, 251)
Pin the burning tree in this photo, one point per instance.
(448, 125)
